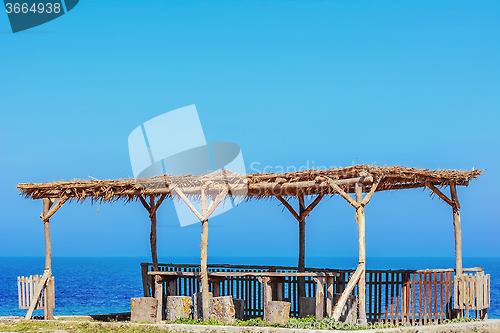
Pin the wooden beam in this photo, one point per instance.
(337, 310)
(287, 205)
(46, 215)
(188, 203)
(311, 206)
(145, 204)
(301, 265)
(158, 203)
(214, 204)
(342, 193)
(368, 196)
(457, 226)
(440, 194)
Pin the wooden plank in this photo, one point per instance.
(387, 316)
(37, 292)
(19, 294)
(421, 297)
(441, 294)
(337, 311)
(370, 300)
(330, 294)
(435, 304)
(392, 299)
(413, 289)
(320, 298)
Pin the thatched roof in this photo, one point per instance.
(250, 186)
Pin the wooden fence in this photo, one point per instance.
(393, 296)
(26, 289)
(472, 292)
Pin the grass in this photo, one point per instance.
(94, 326)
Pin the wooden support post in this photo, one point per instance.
(302, 246)
(159, 298)
(458, 230)
(320, 298)
(301, 218)
(204, 271)
(49, 307)
(206, 211)
(330, 295)
(267, 294)
(360, 218)
(152, 235)
(204, 248)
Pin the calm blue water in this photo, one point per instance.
(105, 285)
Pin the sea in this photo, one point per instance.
(102, 285)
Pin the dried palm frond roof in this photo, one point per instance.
(260, 185)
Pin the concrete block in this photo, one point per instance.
(239, 308)
(178, 307)
(277, 312)
(223, 309)
(143, 309)
(307, 306)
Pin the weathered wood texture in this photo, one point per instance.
(392, 296)
(457, 228)
(360, 219)
(349, 314)
(339, 306)
(471, 292)
(26, 292)
(198, 304)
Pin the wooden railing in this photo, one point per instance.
(393, 296)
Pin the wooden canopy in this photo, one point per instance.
(263, 185)
(217, 186)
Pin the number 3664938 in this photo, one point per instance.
(35, 8)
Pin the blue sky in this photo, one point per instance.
(329, 83)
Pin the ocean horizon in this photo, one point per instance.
(100, 285)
